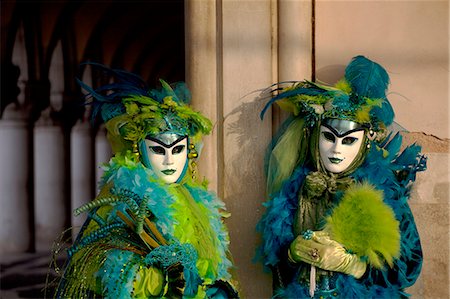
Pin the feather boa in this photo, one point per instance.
(165, 204)
(276, 225)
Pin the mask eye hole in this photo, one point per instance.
(159, 150)
(329, 136)
(177, 149)
(349, 140)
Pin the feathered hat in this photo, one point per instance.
(359, 97)
(131, 111)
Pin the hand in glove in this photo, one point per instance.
(148, 282)
(321, 251)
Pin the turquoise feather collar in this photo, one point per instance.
(133, 176)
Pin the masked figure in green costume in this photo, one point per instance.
(337, 222)
(154, 230)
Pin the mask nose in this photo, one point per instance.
(168, 159)
(337, 147)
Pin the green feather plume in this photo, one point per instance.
(365, 225)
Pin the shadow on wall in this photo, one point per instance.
(246, 138)
(245, 126)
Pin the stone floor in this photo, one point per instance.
(25, 276)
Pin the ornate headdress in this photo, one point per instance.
(131, 111)
(360, 97)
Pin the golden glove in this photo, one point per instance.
(319, 250)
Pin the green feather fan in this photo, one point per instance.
(365, 225)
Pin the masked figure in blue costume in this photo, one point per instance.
(337, 222)
(154, 230)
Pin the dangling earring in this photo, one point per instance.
(192, 152)
(191, 156)
(135, 151)
(371, 135)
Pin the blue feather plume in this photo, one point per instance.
(385, 113)
(107, 99)
(133, 81)
(367, 78)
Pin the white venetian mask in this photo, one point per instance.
(167, 154)
(338, 147)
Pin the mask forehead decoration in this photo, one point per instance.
(167, 139)
(342, 127)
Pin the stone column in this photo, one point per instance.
(81, 170)
(295, 46)
(15, 235)
(202, 74)
(247, 67)
(49, 181)
(294, 40)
